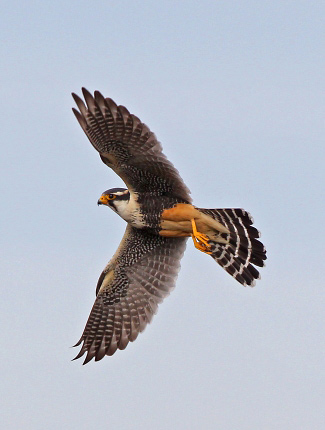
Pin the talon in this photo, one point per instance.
(201, 246)
(200, 240)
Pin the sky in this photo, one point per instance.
(234, 90)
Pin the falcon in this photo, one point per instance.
(160, 218)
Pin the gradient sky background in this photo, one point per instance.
(235, 93)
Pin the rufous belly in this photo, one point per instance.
(176, 222)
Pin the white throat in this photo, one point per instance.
(129, 210)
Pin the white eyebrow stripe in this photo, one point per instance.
(121, 193)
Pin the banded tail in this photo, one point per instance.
(238, 251)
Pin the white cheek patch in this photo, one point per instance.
(129, 210)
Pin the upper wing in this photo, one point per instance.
(141, 274)
(128, 146)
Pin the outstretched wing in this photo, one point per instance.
(141, 274)
(128, 146)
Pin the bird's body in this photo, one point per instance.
(160, 217)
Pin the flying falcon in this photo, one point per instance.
(160, 217)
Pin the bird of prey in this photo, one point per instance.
(160, 217)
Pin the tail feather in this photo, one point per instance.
(242, 250)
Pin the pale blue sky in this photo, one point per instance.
(235, 93)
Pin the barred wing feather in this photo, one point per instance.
(140, 275)
(127, 146)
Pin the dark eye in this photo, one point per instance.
(111, 196)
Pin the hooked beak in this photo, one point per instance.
(103, 200)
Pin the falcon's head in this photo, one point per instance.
(115, 198)
(124, 203)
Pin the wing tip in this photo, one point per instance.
(89, 98)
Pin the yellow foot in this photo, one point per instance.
(200, 240)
